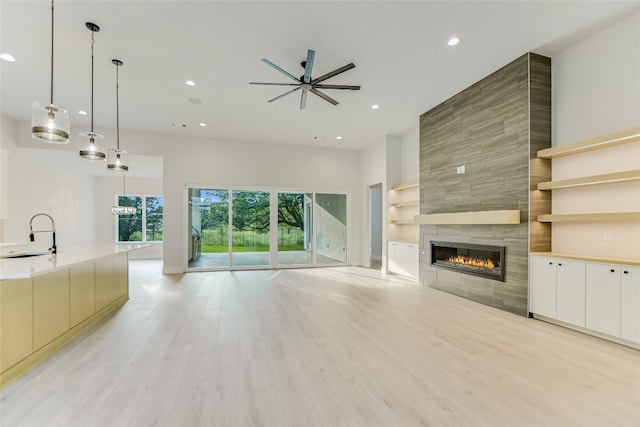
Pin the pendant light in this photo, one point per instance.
(123, 210)
(90, 147)
(117, 160)
(50, 123)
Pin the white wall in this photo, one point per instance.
(46, 181)
(596, 84)
(596, 91)
(410, 155)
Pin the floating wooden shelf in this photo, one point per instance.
(610, 140)
(405, 186)
(591, 180)
(591, 217)
(403, 222)
(405, 204)
(478, 217)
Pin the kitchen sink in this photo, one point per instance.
(23, 254)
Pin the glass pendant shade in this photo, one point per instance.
(117, 160)
(91, 146)
(50, 123)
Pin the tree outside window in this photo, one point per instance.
(146, 225)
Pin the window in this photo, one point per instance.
(146, 225)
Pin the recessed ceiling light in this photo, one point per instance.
(453, 41)
(338, 137)
(190, 83)
(203, 124)
(82, 113)
(375, 106)
(7, 57)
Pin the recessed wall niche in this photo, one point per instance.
(478, 153)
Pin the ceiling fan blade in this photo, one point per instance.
(303, 98)
(323, 96)
(321, 86)
(275, 84)
(333, 73)
(284, 94)
(308, 65)
(274, 66)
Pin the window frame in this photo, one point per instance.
(144, 219)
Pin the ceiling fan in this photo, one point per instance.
(308, 84)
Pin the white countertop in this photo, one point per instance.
(24, 268)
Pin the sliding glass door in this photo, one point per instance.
(331, 228)
(250, 219)
(246, 228)
(209, 226)
(295, 228)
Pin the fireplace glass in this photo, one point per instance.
(478, 260)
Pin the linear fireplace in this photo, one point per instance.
(478, 260)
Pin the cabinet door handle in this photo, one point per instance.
(612, 270)
(550, 263)
(559, 263)
(625, 272)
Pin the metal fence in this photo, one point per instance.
(220, 237)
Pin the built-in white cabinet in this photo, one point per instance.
(403, 259)
(570, 292)
(603, 298)
(542, 293)
(558, 289)
(630, 303)
(594, 296)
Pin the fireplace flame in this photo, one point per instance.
(476, 262)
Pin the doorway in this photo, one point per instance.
(375, 226)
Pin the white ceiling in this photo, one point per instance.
(403, 62)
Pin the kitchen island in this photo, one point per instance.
(47, 300)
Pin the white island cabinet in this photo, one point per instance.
(48, 300)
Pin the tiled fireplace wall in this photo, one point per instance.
(493, 128)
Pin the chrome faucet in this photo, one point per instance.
(53, 249)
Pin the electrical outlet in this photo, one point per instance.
(462, 169)
(607, 236)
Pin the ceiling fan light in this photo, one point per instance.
(49, 123)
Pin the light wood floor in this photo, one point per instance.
(321, 347)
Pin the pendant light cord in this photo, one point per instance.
(92, 43)
(117, 110)
(51, 52)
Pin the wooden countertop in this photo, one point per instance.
(622, 261)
